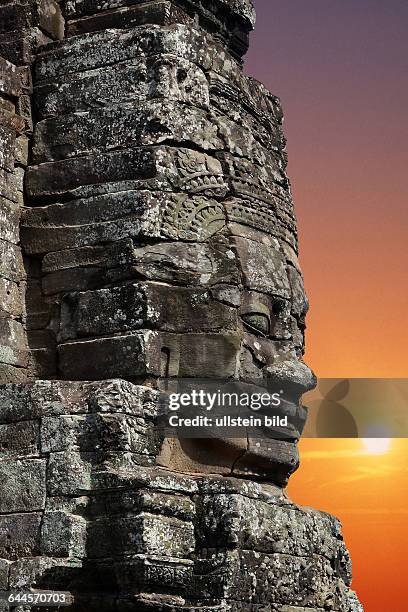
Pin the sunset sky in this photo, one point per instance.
(340, 68)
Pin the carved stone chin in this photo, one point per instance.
(148, 241)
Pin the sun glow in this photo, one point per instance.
(376, 446)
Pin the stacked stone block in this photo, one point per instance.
(24, 25)
(15, 127)
(85, 509)
(61, 443)
(27, 24)
(227, 20)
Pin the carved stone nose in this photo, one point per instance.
(294, 376)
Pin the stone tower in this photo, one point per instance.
(147, 233)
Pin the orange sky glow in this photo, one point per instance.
(368, 492)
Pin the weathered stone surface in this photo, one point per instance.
(23, 108)
(208, 264)
(20, 535)
(22, 484)
(42, 353)
(127, 502)
(263, 267)
(272, 540)
(13, 348)
(11, 374)
(157, 169)
(297, 581)
(147, 305)
(50, 18)
(17, 16)
(121, 215)
(124, 356)
(231, 21)
(101, 257)
(299, 301)
(13, 80)
(7, 139)
(235, 520)
(193, 264)
(139, 354)
(261, 458)
(14, 124)
(251, 180)
(25, 25)
(4, 574)
(162, 12)
(11, 262)
(19, 440)
(16, 47)
(38, 572)
(240, 8)
(252, 218)
(141, 214)
(83, 278)
(157, 573)
(10, 299)
(54, 398)
(107, 48)
(232, 90)
(72, 175)
(80, 473)
(8, 186)
(150, 123)
(38, 310)
(149, 534)
(169, 78)
(63, 535)
(95, 432)
(21, 151)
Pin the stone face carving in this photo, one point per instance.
(157, 241)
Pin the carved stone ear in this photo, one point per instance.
(192, 219)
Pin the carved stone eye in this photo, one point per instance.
(257, 323)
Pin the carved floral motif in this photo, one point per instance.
(200, 173)
(193, 219)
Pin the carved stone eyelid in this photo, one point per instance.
(256, 308)
(257, 319)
